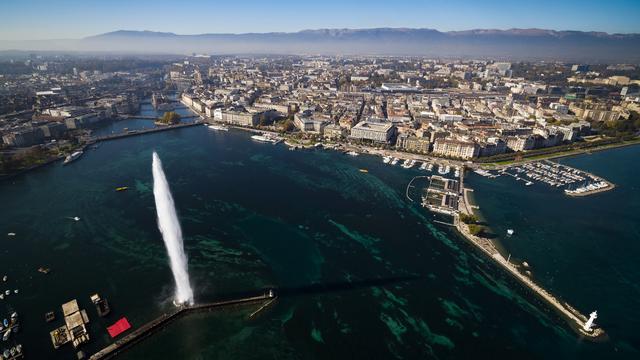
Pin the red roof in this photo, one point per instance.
(119, 327)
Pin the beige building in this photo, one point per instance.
(239, 118)
(334, 131)
(455, 148)
(310, 124)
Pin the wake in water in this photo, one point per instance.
(171, 233)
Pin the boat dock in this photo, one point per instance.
(573, 181)
(167, 318)
(442, 195)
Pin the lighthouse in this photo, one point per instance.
(589, 323)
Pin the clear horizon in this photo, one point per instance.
(73, 19)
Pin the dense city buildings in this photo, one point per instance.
(465, 109)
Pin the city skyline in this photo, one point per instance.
(73, 19)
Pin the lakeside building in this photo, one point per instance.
(374, 131)
(456, 148)
(334, 131)
(594, 112)
(24, 137)
(241, 118)
(520, 143)
(413, 143)
(309, 122)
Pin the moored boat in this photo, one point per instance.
(218, 127)
(75, 155)
(267, 138)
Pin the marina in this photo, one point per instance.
(572, 181)
(442, 195)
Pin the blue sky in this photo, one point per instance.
(57, 19)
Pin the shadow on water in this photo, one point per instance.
(326, 288)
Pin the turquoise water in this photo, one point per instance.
(363, 272)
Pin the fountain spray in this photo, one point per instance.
(171, 233)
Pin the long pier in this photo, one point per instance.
(575, 318)
(143, 132)
(165, 319)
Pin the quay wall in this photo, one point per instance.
(575, 319)
(165, 319)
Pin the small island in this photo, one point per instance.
(169, 118)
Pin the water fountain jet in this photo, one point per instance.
(171, 234)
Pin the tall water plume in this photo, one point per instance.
(171, 233)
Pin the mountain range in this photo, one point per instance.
(514, 44)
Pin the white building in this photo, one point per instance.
(378, 132)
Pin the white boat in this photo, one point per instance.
(6, 335)
(394, 161)
(267, 138)
(218, 127)
(430, 167)
(72, 157)
(386, 159)
(423, 166)
(352, 153)
(510, 232)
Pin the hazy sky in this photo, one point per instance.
(57, 19)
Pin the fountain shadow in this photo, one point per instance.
(324, 288)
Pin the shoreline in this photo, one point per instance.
(490, 248)
(558, 155)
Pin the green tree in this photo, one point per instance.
(476, 230)
(468, 219)
(169, 118)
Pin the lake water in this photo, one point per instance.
(392, 282)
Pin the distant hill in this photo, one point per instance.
(513, 44)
